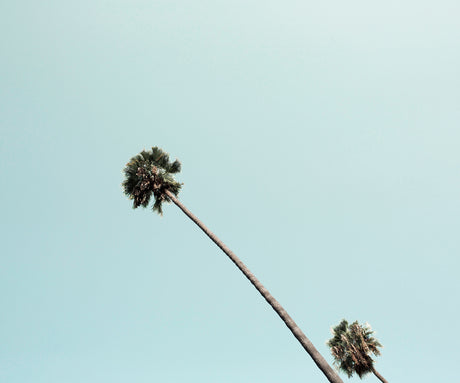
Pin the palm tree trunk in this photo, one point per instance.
(304, 341)
(382, 379)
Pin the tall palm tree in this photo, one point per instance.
(351, 347)
(151, 173)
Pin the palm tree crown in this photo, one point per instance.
(351, 347)
(151, 172)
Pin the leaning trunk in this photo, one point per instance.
(304, 341)
(382, 379)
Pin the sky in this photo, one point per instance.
(318, 140)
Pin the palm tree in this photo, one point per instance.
(151, 173)
(351, 346)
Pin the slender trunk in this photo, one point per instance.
(304, 341)
(382, 379)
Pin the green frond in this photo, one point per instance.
(157, 206)
(175, 167)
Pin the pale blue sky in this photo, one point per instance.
(319, 140)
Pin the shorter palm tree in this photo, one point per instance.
(351, 347)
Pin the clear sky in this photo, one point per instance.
(319, 140)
